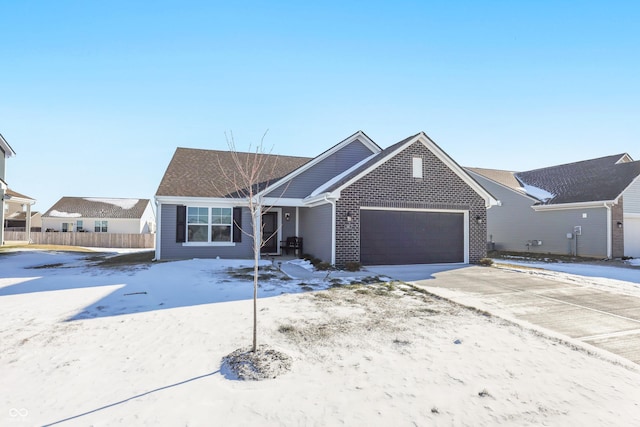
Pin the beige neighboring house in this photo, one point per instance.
(13, 205)
(18, 215)
(100, 215)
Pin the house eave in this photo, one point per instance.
(21, 200)
(8, 151)
(201, 201)
(577, 205)
(321, 199)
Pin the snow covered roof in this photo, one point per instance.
(604, 178)
(96, 207)
(600, 179)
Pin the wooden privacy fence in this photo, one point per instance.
(92, 240)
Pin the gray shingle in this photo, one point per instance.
(204, 173)
(585, 181)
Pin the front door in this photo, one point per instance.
(269, 233)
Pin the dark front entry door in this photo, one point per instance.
(269, 233)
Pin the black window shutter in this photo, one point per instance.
(181, 224)
(237, 224)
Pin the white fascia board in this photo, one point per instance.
(578, 205)
(624, 159)
(3, 185)
(21, 200)
(8, 151)
(519, 192)
(358, 135)
(321, 199)
(200, 201)
(281, 201)
(636, 179)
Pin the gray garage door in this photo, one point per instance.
(407, 237)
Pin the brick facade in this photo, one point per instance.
(391, 185)
(617, 233)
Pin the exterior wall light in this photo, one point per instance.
(479, 219)
(619, 224)
(287, 216)
(349, 216)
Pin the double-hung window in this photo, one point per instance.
(221, 222)
(209, 224)
(100, 226)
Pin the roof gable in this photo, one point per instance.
(358, 136)
(378, 159)
(601, 179)
(93, 207)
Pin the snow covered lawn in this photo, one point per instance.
(85, 345)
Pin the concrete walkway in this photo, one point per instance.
(600, 317)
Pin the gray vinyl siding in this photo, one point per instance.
(315, 229)
(514, 223)
(632, 198)
(304, 184)
(288, 227)
(170, 249)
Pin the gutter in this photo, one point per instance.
(578, 205)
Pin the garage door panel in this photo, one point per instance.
(632, 236)
(411, 237)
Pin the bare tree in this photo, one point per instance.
(250, 175)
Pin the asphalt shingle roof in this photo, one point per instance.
(94, 207)
(205, 173)
(600, 179)
(12, 193)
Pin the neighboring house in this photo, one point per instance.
(18, 214)
(407, 204)
(100, 215)
(15, 208)
(589, 208)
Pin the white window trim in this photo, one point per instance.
(209, 225)
(417, 167)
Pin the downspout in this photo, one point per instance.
(158, 230)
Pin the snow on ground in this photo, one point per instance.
(626, 280)
(83, 345)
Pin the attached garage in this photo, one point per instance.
(632, 236)
(392, 237)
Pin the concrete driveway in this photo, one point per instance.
(604, 318)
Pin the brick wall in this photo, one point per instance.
(617, 234)
(392, 185)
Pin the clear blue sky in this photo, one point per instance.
(96, 95)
